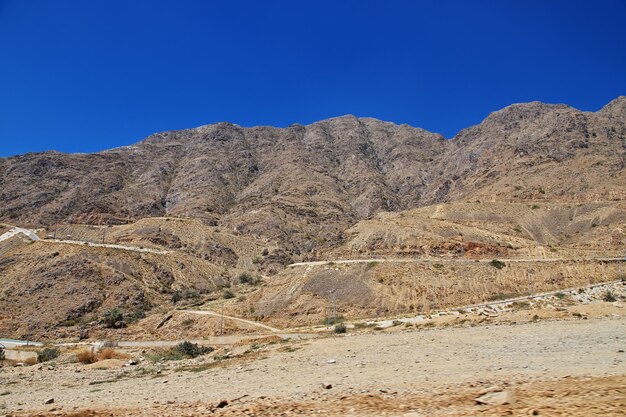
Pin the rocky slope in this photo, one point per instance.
(226, 202)
(303, 185)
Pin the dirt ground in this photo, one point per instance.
(573, 367)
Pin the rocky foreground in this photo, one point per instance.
(573, 367)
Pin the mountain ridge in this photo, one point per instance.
(304, 184)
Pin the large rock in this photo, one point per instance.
(496, 398)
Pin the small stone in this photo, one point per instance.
(496, 398)
(49, 401)
(492, 388)
(331, 361)
(326, 385)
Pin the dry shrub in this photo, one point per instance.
(110, 353)
(30, 361)
(87, 356)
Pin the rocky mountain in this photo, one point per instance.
(302, 186)
(223, 209)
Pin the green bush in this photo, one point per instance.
(228, 294)
(192, 350)
(497, 264)
(47, 354)
(137, 314)
(246, 278)
(340, 328)
(112, 318)
(186, 294)
(176, 297)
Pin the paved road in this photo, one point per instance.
(33, 236)
(16, 231)
(12, 343)
(447, 260)
(253, 323)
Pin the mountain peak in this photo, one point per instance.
(615, 107)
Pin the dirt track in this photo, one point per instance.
(404, 365)
(447, 260)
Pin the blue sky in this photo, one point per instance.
(81, 76)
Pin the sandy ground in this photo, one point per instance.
(552, 368)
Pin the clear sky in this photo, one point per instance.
(86, 75)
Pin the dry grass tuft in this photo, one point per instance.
(30, 361)
(110, 353)
(86, 357)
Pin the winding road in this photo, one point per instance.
(16, 231)
(33, 236)
(250, 322)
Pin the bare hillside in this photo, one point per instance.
(303, 185)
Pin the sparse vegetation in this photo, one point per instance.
(246, 278)
(371, 265)
(340, 328)
(47, 354)
(110, 353)
(329, 321)
(70, 322)
(186, 294)
(226, 294)
(113, 318)
(502, 296)
(192, 350)
(497, 264)
(609, 297)
(87, 357)
(534, 207)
